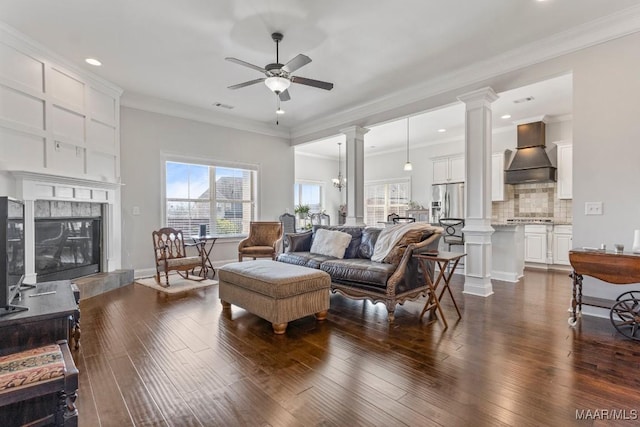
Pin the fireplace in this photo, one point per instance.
(72, 226)
(68, 239)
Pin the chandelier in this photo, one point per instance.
(339, 182)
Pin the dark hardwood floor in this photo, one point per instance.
(147, 359)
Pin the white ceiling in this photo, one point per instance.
(370, 49)
(552, 98)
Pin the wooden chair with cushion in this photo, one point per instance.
(170, 254)
(263, 241)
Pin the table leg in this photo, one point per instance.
(576, 298)
(432, 299)
(447, 279)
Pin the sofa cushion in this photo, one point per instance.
(356, 237)
(305, 259)
(358, 270)
(330, 242)
(368, 243)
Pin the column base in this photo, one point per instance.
(478, 286)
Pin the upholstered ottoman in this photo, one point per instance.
(275, 291)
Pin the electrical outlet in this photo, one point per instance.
(135, 210)
(593, 208)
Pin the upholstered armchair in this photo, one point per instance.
(264, 240)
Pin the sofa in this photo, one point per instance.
(361, 273)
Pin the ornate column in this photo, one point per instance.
(478, 230)
(355, 174)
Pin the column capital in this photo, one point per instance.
(479, 98)
(354, 132)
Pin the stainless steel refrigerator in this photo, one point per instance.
(447, 201)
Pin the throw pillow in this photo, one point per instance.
(330, 243)
(369, 238)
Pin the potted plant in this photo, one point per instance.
(302, 211)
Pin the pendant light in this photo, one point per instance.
(408, 166)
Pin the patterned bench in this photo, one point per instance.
(38, 386)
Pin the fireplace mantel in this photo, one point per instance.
(35, 185)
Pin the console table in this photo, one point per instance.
(615, 268)
(52, 316)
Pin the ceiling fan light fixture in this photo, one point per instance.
(277, 84)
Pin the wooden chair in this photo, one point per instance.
(320, 219)
(169, 251)
(288, 226)
(263, 241)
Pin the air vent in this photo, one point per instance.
(521, 100)
(221, 105)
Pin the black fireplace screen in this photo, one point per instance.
(67, 248)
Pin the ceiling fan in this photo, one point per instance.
(278, 77)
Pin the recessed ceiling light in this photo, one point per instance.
(93, 61)
(506, 116)
(221, 105)
(442, 130)
(372, 146)
(521, 100)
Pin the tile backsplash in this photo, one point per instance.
(532, 201)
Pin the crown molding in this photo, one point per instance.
(607, 28)
(41, 53)
(175, 109)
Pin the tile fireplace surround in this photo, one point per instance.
(38, 186)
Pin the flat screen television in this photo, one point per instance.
(12, 253)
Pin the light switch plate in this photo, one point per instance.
(136, 210)
(593, 208)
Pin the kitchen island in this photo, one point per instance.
(507, 257)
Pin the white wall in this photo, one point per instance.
(145, 135)
(317, 169)
(606, 152)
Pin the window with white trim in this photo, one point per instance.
(309, 193)
(385, 197)
(221, 197)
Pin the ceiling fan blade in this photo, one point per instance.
(246, 64)
(284, 95)
(249, 83)
(311, 82)
(297, 62)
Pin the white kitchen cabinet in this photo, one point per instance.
(562, 244)
(448, 169)
(565, 170)
(497, 177)
(535, 243)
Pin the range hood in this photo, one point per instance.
(531, 163)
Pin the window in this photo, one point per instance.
(221, 197)
(309, 193)
(384, 198)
